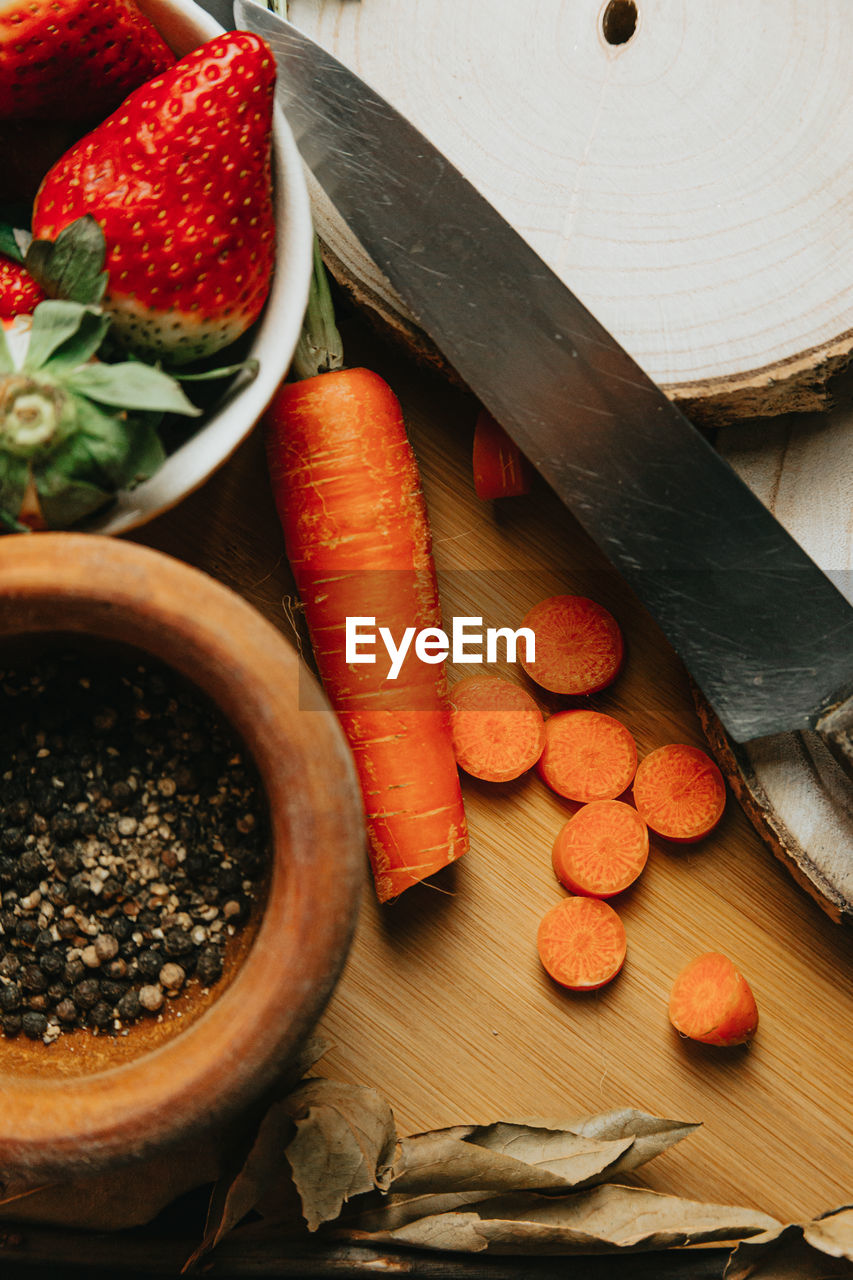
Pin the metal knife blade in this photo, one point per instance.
(766, 635)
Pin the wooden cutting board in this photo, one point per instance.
(443, 1006)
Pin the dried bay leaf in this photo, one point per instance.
(832, 1233)
(652, 1134)
(449, 1169)
(600, 1219)
(344, 1143)
(501, 1157)
(256, 1169)
(782, 1255)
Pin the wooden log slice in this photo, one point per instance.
(684, 165)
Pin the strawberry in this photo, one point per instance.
(19, 293)
(74, 59)
(179, 180)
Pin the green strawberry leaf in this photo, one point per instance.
(9, 242)
(81, 346)
(72, 265)
(106, 451)
(13, 483)
(65, 500)
(131, 385)
(60, 324)
(7, 364)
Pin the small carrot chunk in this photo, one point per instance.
(498, 730)
(587, 756)
(579, 646)
(602, 849)
(680, 792)
(500, 468)
(711, 1002)
(582, 943)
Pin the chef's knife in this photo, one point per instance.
(766, 635)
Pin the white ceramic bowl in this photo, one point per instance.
(185, 26)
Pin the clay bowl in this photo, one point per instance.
(87, 1102)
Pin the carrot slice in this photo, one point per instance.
(582, 943)
(711, 1001)
(500, 468)
(680, 792)
(579, 646)
(587, 756)
(602, 849)
(498, 730)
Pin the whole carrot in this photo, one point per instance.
(348, 493)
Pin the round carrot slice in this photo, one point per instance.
(601, 849)
(582, 943)
(579, 647)
(711, 1001)
(498, 730)
(587, 756)
(679, 792)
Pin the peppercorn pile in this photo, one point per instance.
(133, 838)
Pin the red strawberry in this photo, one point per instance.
(19, 293)
(179, 180)
(74, 59)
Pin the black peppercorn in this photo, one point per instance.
(12, 839)
(177, 942)
(128, 1007)
(100, 1015)
(66, 1011)
(10, 997)
(44, 940)
(34, 1025)
(209, 965)
(52, 962)
(33, 979)
(11, 1024)
(66, 858)
(120, 927)
(87, 993)
(74, 971)
(122, 795)
(26, 931)
(150, 963)
(111, 990)
(78, 889)
(30, 865)
(63, 825)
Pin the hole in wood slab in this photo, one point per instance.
(619, 21)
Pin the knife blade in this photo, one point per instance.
(763, 631)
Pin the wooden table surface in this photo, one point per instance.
(443, 1006)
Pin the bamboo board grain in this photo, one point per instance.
(443, 1006)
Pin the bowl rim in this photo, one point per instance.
(274, 340)
(236, 1048)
